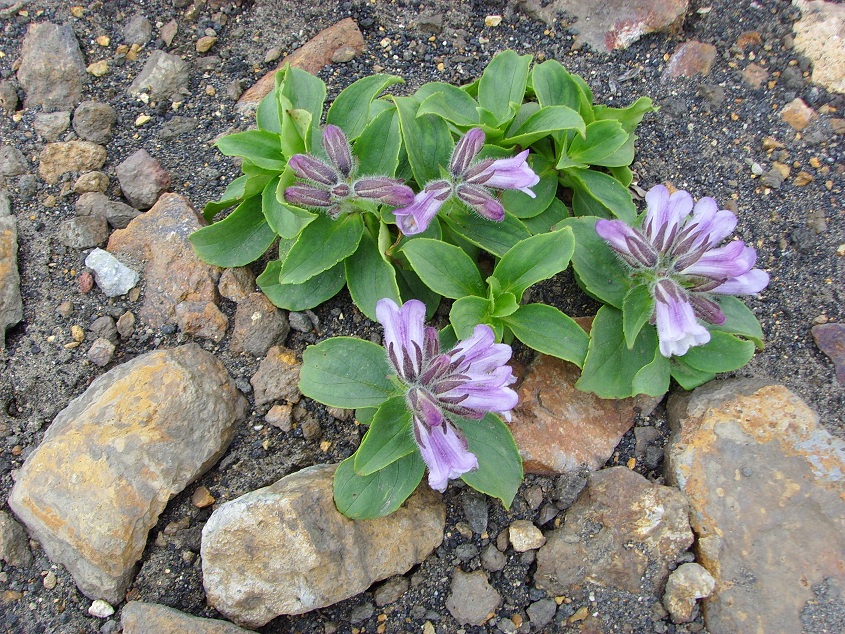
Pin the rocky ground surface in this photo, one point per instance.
(148, 403)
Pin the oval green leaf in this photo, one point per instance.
(549, 331)
(535, 259)
(309, 294)
(378, 494)
(499, 472)
(240, 238)
(259, 146)
(320, 246)
(444, 268)
(389, 438)
(370, 277)
(350, 110)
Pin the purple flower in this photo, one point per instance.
(469, 381)
(676, 254)
(332, 186)
(470, 182)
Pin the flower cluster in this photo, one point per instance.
(469, 381)
(470, 182)
(331, 187)
(676, 253)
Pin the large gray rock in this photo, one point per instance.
(138, 617)
(11, 304)
(820, 35)
(285, 549)
(93, 121)
(52, 71)
(111, 460)
(765, 483)
(165, 76)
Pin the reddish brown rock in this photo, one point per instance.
(156, 243)
(277, 377)
(311, 56)
(142, 179)
(749, 38)
(798, 114)
(202, 319)
(559, 428)
(690, 59)
(71, 156)
(830, 338)
(236, 284)
(765, 483)
(151, 618)
(754, 75)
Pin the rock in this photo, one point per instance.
(430, 22)
(126, 324)
(472, 600)
(8, 97)
(612, 24)
(142, 179)
(541, 612)
(755, 75)
(797, 114)
(12, 161)
(135, 438)
(559, 428)
(112, 276)
(830, 339)
(300, 322)
(116, 213)
(391, 590)
(492, 559)
(150, 618)
(83, 232)
(311, 57)
(280, 416)
(202, 319)
(690, 59)
(5, 204)
(91, 182)
(104, 327)
(101, 352)
(205, 43)
(165, 76)
(177, 126)
(49, 125)
(236, 284)
(336, 557)
(524, 536)
(71, 156)
(202, 497)
(52, 71)
(93, 121)
(14, 544)
(687, 583)
(344, 54)
(623, 532)
(168, 32)
(99, 68)
(277, 377)
(100, 609)
(819, 35)
(11, 303)
(157, 242)
(138, 30)
(259, 325)
(758, 471)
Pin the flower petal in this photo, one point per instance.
(444, 450)
(722, 263)
(664, 215)
(479, 353)
(465, 151)
(629, 243)
(747, 284)
(677, 328)
(390, 191)
(416, 217)
(509, 173)
(404, 335)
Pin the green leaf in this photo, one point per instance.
(629, 117)
(267, 113)
(263, 148)
(286, 220)
(600, 192)
(350, 110)
(234, 194)
(346, 372)
(652, 379)
(603, 139)
(321, 245)
(535, 259)
(389, 438)
(637, 308)
(546, 329)
(499, 472)
(610, 367)
(378, 146)
(521, 204)
(370, 277)
(312, 292)
(504, 304)
(365, 415)
(622, 157)
(496, 237)
(444, 268)
(452, 104)
(599, 271)
(543, 223)
(448, 338)
(379, 494)
(467, 313)
(307, 93)
(688, 377)
(554, 86)
(240, 238)
(723, 353)
(427, 139)
(503, 84)
(739, 320)
(544, 122)
(623, 174)
(412, 287)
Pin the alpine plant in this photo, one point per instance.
(676, 253)
(468, 381)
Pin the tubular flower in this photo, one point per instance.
(331, 186)
(676, 253)
(470, 182)
(468, 381)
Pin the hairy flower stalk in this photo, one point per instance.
(468, 381)
(333, 187)
(675, 252)
(470, 182)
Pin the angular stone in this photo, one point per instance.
(142, 179)
(112, 276)
(690, 59)
(156, 242)
(277, 377)
(797, 114)
(285, 549)
(91, 182)
(524, 536)
(236, 284)
(472, 600)
(755, 75)
(138, 30)
(14, 544)
(623, 532)
(11, 303)
(93, 121)
(12, 161)
(52, 71)
(259, 325)
(135, 438)
(819, 35)
(8, 97)
(830, 339)
(49, 125)
(559, 428)
(101, 352)
(116, 213)
(612, 24)
(686, 584)
(202, 319)
(765, 483)
(151, 618)
(71, 156)
(83, 232)
(165, 76)
(311, 57)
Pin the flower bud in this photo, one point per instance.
(307, 196)
(337, 149)
(390, 191)
(313, 169)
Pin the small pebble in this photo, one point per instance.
(101, 352)
(100, 609)
(50, 580)
(202, 497)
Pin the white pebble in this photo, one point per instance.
(113, 277)
(100, 609)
